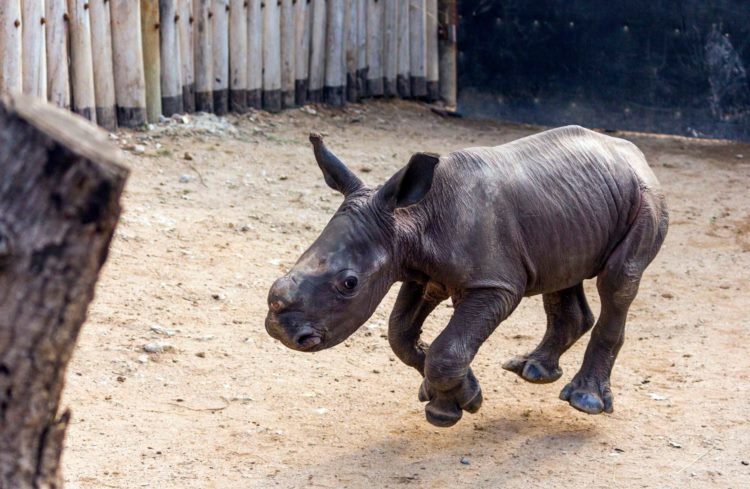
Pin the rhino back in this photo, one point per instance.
(541, 213)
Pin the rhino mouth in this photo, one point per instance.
(300, 337)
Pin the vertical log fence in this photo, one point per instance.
(126, 62)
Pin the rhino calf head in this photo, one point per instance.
(338, 282)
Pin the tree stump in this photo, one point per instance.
(60, 185)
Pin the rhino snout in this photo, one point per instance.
(281, 296)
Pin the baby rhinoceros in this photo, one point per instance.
(484, 227)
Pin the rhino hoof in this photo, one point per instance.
(532, 370)
(585, 397)
(442, 413)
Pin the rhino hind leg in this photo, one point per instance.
(568, 318)
(617, 283)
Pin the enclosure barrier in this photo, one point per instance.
(126, 62)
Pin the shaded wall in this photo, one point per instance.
(651, 65)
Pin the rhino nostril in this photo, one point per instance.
(276, 306)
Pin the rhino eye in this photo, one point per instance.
(350, 282)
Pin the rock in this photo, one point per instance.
(365, 169)
(139, 148)
(187, 156)
(674, 444)
(162, 330)
(218, 297)
(142, 358)
(275, 262)
(465, 461)
(321, 411)
(157, 347)
(739, 156)
(185, 178)
(283, 177)
(120, 379)
(201, 354)
(657, 397)
(667, 295)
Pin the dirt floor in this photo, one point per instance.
(216, 209)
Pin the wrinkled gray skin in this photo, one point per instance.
(484, 227)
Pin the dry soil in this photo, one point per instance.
(216, 209)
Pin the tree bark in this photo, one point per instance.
(60, 185)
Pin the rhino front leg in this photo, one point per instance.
(414, 303)
(449, 385)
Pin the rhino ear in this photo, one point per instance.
(336, 174)
(411, 183)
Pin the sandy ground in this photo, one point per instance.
(226, 406)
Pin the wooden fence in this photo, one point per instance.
(125, 62)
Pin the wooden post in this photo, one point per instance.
(302, 50)
(238, 56)
(58, 79)
(317, 51)
(220, 45)
(417, 47)
(271, 56)
(151, 58)
(448, 19)
(204, 98)
(350, 53)
(185, 36)
(11, 78)
(59, 205)
(171, 65)
(403, 84)
(254, 54)
(361, 48)
(34, 62)
(375, 48)
(390, 48)
(287, 53)
(432, 70)
(335, 79)
(81, 67)
(130, 84)
(104, 78)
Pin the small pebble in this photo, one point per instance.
(185, 178)
(139, 148)
(674, 444)
(201, 354)
(187, 156)
(143, 359)
(157, 347)
(465, 461)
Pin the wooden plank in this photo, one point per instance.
(171, 65)
(104, 78)
(81, 67)
(432, 70)
(403, 83)
(60, 202)
(185, 37)
(151, 58)
(238, 56)
(417, 48)
(350, 53)
(203, 55)
(448, 22)
(220, 46)
(390, 47)
(361, 48)
(374, 48)
(335, 75)
(58, 78)
(287, 53)
(302, 50)
(130, 83)
(34, 62)
(254, 54)
(272, 56)
(316, 80)
(11, 78)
